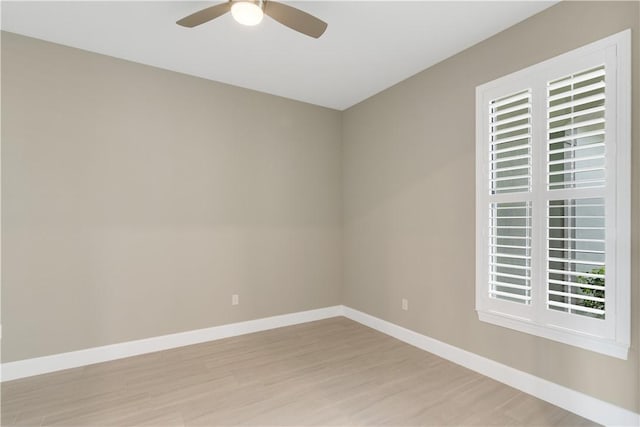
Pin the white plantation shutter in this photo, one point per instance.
(576, 244)
(510, 250)
(576, 130)
(576, 256)
(511, 143)
(553, 181)
(510, 222)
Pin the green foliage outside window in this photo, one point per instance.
(598, 293)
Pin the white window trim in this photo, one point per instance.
(616, 345)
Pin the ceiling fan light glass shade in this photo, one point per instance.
(246, 12)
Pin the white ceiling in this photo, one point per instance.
(368, 46)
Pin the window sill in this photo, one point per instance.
(565, 336)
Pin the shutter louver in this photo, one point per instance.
(510, 175)
(510, 133)
(576, 256)
(576, 160)
(510, 252)
(576, 130)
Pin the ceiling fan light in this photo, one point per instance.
(247, 12)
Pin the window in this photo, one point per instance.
(553, 198)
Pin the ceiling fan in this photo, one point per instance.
(251, 12)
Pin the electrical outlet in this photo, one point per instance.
(235, 299)
(405, 304)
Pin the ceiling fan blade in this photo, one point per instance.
(295, 19)
(205, 15)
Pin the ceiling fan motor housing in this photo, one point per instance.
(247, 12)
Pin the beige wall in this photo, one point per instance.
(135, 201)
(409, 171)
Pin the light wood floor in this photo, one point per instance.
(330, 372)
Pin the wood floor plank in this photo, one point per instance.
(332, 372)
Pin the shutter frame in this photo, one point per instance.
(610, 335)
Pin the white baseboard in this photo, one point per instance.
(41, 365)
(579, 403)
(566, 398)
